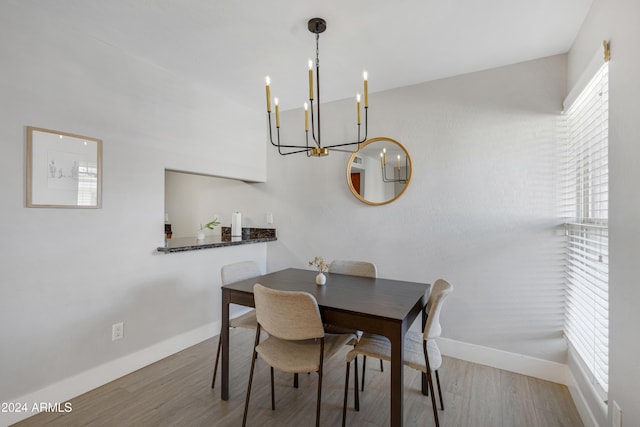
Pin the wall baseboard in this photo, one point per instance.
(586, 414)
(83, 382)
(513, 362)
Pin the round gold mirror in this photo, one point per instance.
(380, 171)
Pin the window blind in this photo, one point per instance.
(586, 209)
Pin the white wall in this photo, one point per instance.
(616, 20)
(67, 275)
(480, 210)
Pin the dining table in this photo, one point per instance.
(379, 306)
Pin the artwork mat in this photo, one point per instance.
(75, 181)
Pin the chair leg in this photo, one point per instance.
(439, 390)
(381, 366)
(430, 381)
(273, 395)
(364, 366)
(215, 366)
(253, 364)
(425, 385)
(295, 380)
(346, 394)
(433, 399)
(355, 385)
(320, 382)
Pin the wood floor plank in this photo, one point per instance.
(554, 406)
(176, 391)
(485, 400)
(518, 407)
(456, 377)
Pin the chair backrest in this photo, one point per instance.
(235, 272)
(288, 315)
(353, 268)
(439, 292)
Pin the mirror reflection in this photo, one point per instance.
(380, 171)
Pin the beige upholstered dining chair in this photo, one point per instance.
(296, 342)
(353, 268)
(420, 349)
(231, 273)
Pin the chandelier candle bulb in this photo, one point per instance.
(275, 100)
(384, 150)
(268, 81)
(310, 80)
(306, 117)
(398, 161)
(365, 75)
(358, 104)
(381, 161)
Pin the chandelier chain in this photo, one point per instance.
(317, 50)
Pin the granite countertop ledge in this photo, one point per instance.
(249, 236)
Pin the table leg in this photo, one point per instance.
(224, 336)
(397, 377)
(425, 387)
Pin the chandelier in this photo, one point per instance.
(402, 178)
(315, 147)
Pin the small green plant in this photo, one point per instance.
(319, 263)
(211, 225)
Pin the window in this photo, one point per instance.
(586, 206)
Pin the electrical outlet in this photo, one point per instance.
(117, 331)
(616, 420)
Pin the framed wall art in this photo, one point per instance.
(63, 170)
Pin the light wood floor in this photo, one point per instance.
(176, 392)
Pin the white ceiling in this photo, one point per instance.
(233, 44)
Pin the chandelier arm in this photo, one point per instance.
(278, 145)
(357, 142)
(300, 148)
(366, 126)
(406, 170)
(330, 147)
(295, 152)
(271, 132)
(384, 173)
(400, 179)
(343, 151)
(307, 140)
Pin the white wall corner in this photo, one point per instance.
(83, 382)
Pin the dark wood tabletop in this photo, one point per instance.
(391, 299)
